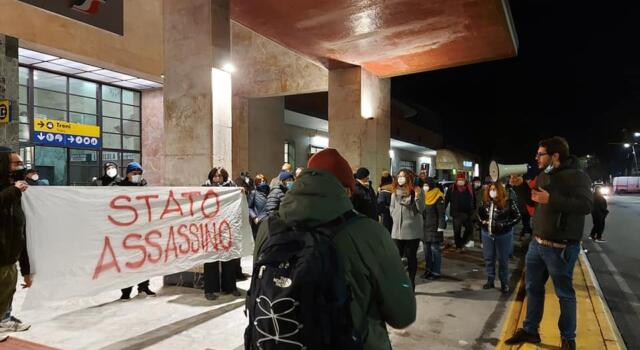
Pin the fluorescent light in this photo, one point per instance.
(112, 74)
(320, 141)
(35, 55)
(228, 67)
(27, 60)
(74, 64)
(148, 83)
(57, 68)
(391, 153)
(98, 77)
(129, 84)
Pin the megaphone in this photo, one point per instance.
(497, 171)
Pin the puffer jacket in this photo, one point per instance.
(105, 180)
(274, 198)
(406, 211)
(258, 203)
(364, 201)
(434, 221)
(384, 202)
(12, 219)
(379, 285)
(502, 219)
(570, 200)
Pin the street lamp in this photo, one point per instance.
(636, 134)
(626, 145)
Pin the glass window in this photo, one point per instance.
(82, 104)
(131, 143)
(130, 112)
(131, 128)
(51, 163)
(83, 167)
(24, 133)
(23, 97)
(111, 125)
(80, 118)
(24, 115)
(83, 88)
(111, 109)
(110, 93)
(48, 113)
(23, 75)
(111, 141)
(130, 157)
(108, 156)
(49, 99)
(49, 81)
(131, 97)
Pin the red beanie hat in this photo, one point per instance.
(331, 161)
(460, 176)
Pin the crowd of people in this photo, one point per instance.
(374, 230)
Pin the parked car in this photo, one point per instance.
(626, 184)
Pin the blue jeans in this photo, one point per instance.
(433, 257)
(542, 262)
(498, 248)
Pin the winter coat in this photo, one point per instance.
(379, 285)
(434, 221)
(502, 219)
(227, 183)
(126, 182)
(406, 212)
(13, 241)
(570, 199)
(461, 202)
(599, 206)
(384, 202)
(523, 196)
(105, 180)
(258, 203)
(275, 198)
(364, 201)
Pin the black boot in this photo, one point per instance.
(568, 344)
(146, 291)
(489, 285)
(522, 336)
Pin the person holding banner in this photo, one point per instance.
(134, 178)
(110, 176)
(12, 237)
(220, 276)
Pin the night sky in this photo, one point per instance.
(577, 75)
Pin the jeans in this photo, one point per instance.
(433, 257)
(497, 248)
(526, 224)
(461, 220)
(542, 262)
(8, 280)
(409, 249)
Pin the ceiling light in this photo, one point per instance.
(626, 145)
(112, 74)
(148, 83)
(229, 68)
(35, 55)
(27, 60)
(57, 68)
(98, 77)
(74, 64)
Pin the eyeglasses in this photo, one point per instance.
(539, 154)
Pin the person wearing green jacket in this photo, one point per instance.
(382, 293)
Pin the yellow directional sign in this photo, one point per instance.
(5, 111)
(60, 127)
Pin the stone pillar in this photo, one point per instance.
(9, 89)
(359, 119)
(197, 93)
(153, 131)
(241, 136)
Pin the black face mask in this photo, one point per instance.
(18, 174)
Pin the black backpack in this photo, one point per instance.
(299, 298)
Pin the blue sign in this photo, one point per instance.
(62, 140)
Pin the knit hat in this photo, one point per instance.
(285, 175)
(110, 164)
(133, 166)
(331, 161)
(362, 173)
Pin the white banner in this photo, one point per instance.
(83, 241)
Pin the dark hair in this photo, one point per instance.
(409, 176)
(558, 145)
(30, 171)
(430, 182)
(220, 171)
(386, 180)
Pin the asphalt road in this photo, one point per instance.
(616, 264)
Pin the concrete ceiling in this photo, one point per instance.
(386, 37)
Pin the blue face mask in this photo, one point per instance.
(289, 185)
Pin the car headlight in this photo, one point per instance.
(604, 191)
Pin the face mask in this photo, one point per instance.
(425, 188)
(35, 177)
(460, 183)
(136, 179)
(476, 185)
(19, 174)
(548, 169)
(493, 194)
(289, 185)
(112, 173)
(401, 180)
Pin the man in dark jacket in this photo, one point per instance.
(277, 193)
(563, 198)
(12, 237)
(384, 200)
(460, 196)
(110, 176)
(135, 178)
(599, 215)
(523, 194)
(364, 197)
(380, 289)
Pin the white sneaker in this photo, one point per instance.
(13, 325)
(601, 240)
(470, 244)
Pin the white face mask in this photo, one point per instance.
(402, 180)
(549, 168)
(493, 193)
(136, 179)
(112, 173)
(460, 183)
(425, 188)
(35, 177)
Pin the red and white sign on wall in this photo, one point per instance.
(105, 238)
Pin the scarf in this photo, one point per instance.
(433, 196)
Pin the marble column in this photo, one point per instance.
(359, 119)
(197, 93)
(9, 89)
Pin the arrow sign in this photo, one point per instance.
(71, 139)
(41, 136)
(59, 138)
(41, 124)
